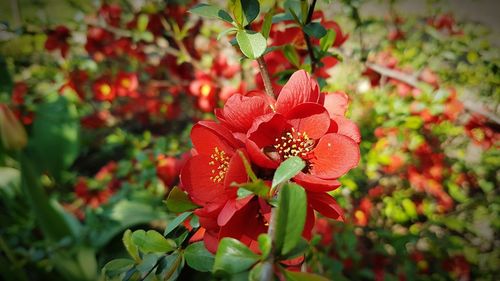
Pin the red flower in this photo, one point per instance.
(205, 89)
(104, 89)
(126, 84)
(207, 177)
(92, 197)
(302, 126)
(76, 82)
(95, 120)
(58, 39)
(111, 14)
(18, 92)
(168, 168)
(99, 43)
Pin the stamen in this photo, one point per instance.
(221, 161)
(293, 143)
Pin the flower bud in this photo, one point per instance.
(12, 131)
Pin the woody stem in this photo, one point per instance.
(268, 265)
(310, 47)
(265, 77)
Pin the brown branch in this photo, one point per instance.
(265, 77)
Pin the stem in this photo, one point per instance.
(16, 13)
(268, 265)
(265, 77)
(310, 47)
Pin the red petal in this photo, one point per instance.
(240, 111)
(299, 89)
(325, 204)
(336, 103)
(195, 178)
(310, 118)
(258, 157)
(346, 127)
(334, 155)
(231, 207)
(263, 134)
(245, 223)
(207, 135)
(211, 241)
(315, 184)
(310, 219)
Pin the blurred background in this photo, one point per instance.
(97, 99)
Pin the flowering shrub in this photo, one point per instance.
(265, 141)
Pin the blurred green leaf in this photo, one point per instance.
(303, 276)
(152, 241)
(55, 136)
(178, 201)
(314, 29)
(211, 11)
(176, 222)
(131, 248)
(198, 257)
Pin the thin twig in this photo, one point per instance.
(389, 72)
(265, 77)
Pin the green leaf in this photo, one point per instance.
(252, 44)
(256, 273)
(178, 201)
(292, 55)
(267, 24)
(314, 29)
(55, 136)
(287, 170)
(291, 217)
(211, 11)
(226, 32)
(327, 41)
(244, 11)
(264, 245)
(233, 257)
(258, 188)
(198, 257)
(303, 276)
(152, 241)
(170, 267)
(117, 267)
(130, 246)
(46, 215)
(142, 22)
(176, 222)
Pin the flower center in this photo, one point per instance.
(126, 83)
(105, 89)
(205, 90)
(294, 144)
(220, 163)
